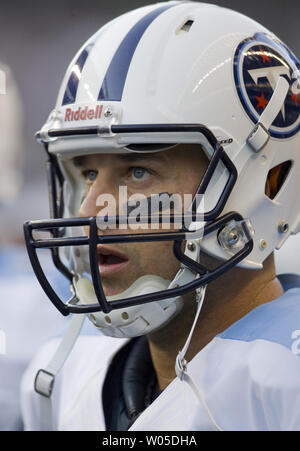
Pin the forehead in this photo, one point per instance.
(181, 153)
(118, 159)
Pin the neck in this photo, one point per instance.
(226, 301)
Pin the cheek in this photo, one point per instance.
(158, 258)
(186, 187)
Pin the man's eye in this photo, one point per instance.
(140, 174)
(90, 175)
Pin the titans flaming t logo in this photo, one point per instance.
(258, 63)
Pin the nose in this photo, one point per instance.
(100, 200)
(89, 205)
(100, 193)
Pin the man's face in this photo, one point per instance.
(174, 171)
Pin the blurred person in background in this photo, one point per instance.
(21, 331)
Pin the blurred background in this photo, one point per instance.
(38, 40)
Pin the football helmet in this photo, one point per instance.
(161, 75)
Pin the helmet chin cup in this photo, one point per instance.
(132, 321)
(135, 320)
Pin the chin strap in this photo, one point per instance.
(260, 134)
(181, 363)
(45, 378)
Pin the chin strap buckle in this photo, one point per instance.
(44, 382)
(258, 138)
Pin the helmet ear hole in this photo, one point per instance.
(276, 178)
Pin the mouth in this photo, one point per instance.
(110, 261)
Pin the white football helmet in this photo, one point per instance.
(169, 73)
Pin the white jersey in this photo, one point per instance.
(249, 377)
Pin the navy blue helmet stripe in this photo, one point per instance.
(114, 81)
(72, 86)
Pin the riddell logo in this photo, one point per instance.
(83, 114)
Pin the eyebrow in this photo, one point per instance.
(79, 161)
